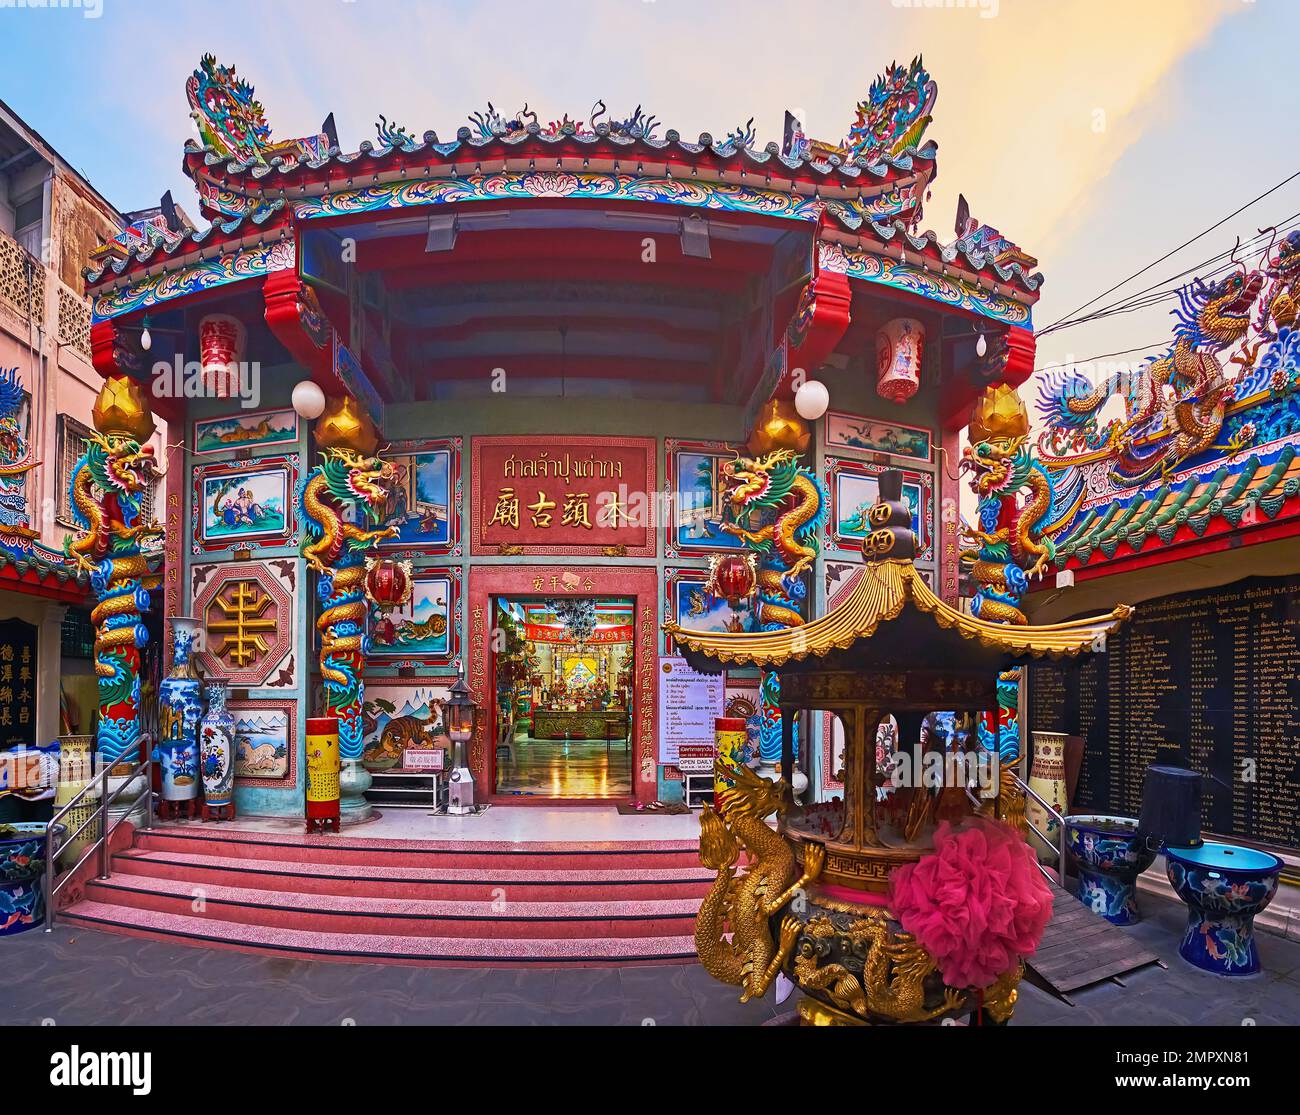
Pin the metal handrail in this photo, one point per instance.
(101, 842)
(1059, 848)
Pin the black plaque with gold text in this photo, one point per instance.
(1205, 680)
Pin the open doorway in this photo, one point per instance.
(564, 669)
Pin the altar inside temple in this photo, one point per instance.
(564, 676)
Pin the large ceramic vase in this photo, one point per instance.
(181, 708)
(1224, 887)
(1047, 780)
(22, 871)
(217, 752)
(1110, 856)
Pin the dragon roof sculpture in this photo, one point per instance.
(1173, 461)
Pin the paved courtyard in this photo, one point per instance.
(85, 977)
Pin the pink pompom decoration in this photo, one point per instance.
(977, 904)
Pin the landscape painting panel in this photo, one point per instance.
(420, 628)
(245, 431)
(262, 743)
(701, 503)
(874, 435)
(245, 505)
(420, 503)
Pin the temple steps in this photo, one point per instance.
(348, 899)
(441, 854)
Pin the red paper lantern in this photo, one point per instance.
(731, 577)
(899, 347)
(388, 583)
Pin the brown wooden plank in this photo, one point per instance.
(1096, 975)
(1063, 965)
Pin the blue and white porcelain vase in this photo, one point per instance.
(217, 747)
(181, 708)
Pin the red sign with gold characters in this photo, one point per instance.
(563, 495)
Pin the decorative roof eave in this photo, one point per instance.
(957, 258)
(879, 597)
(266, 220)
(252, 258)
(46, 569)
(1182, 513)
(947, 286)
(279, 173)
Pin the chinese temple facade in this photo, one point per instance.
(592, 362)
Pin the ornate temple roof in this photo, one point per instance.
(1190, 508)
(882, 595)
(866, 192)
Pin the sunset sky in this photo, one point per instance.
(1098, 134)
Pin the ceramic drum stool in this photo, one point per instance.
(22, 874)
(1110, 856)
(1224, 886)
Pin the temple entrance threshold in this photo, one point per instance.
(564, 669)
(561, 661)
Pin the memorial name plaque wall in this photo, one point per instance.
(1205, 680)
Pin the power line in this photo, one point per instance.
(1174, 251)
(1101, 356)
(1157, 294)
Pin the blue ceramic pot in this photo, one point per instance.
(1109, 856)
(180, 708)
(22, 868)
(1224, 886)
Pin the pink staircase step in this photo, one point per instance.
(541, 885)
(285, 847)
(404, 902)
(404, 916)
(318, 945)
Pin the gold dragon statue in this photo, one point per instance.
(746, 903)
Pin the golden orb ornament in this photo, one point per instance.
(346, 425)
(122, 409)
(998, 413)
(778, 427)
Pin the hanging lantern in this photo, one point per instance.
(221, 346)
(388, 583)
(778, 427)
(732, 577)
(899, 345)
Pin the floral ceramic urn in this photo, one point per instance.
(217, 753)
(181, 708)
(1047, 780)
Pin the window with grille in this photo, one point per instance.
(71, 444)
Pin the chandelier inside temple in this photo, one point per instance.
(576, 615)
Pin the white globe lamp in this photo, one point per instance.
(811, 400)
(308, 400)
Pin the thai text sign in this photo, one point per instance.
(689, 702)
(563, 495)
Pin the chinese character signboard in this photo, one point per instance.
(588, 496)
(17, 683)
